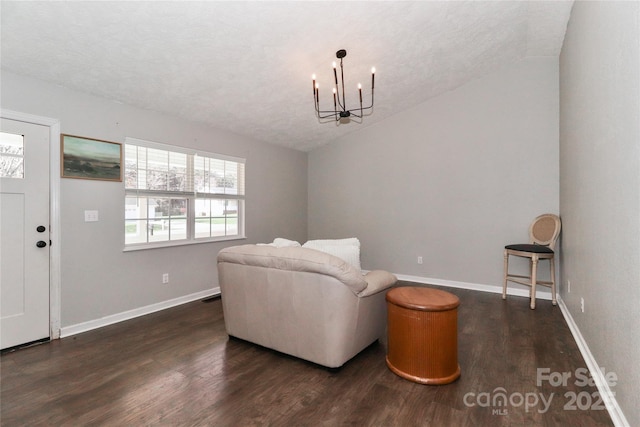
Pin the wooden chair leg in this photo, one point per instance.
(534, 281)
(506, 273)
(553, 281)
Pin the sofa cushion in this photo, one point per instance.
(346, 249)
(295, 259)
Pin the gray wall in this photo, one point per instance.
(452, 180)
(600, 186)
(98, 278)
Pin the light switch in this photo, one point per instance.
(90, 216)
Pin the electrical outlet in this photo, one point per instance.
(165, 278)
(90, 216)
(419, 260)
(582, 304)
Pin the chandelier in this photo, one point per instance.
(340, 110)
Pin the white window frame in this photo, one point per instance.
(191, 197)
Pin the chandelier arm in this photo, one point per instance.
(359, 116)
(362, 111)
(331, 114)
(358, 109)
(320, 115)
(327, 111)
(327, 119)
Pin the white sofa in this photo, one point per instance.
(302, 302)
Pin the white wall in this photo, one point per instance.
(452, 180)
(98, 278)
(600, 186)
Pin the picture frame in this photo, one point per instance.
(89, 158)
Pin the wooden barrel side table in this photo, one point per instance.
(422, 330)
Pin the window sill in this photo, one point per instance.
(159, 245)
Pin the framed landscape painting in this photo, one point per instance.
(87, 158)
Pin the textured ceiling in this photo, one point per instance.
(246, 66)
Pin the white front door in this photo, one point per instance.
(24, 232)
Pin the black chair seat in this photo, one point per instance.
(526, 247)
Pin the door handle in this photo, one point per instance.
(41, 244)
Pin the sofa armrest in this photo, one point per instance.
(377, 281)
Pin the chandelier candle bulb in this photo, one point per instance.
(373, 76)
(335, 105)
(335, 73)
(360, 92)
(313, 77)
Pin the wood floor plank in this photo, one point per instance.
(178, 367)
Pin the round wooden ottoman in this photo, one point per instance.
(423, 334)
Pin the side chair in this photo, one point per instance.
(543, 233)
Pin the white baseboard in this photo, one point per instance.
(607, 395)
(137, 312)
(542, 294)
(130, 314)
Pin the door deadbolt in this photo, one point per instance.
(41, 229)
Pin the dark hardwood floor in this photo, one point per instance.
(178, 367)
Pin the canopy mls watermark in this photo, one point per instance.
(500, 400)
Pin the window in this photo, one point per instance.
(11, 155)
(177, 196)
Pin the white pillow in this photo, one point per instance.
(345, 249)
(350, 241)
(279, 242)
